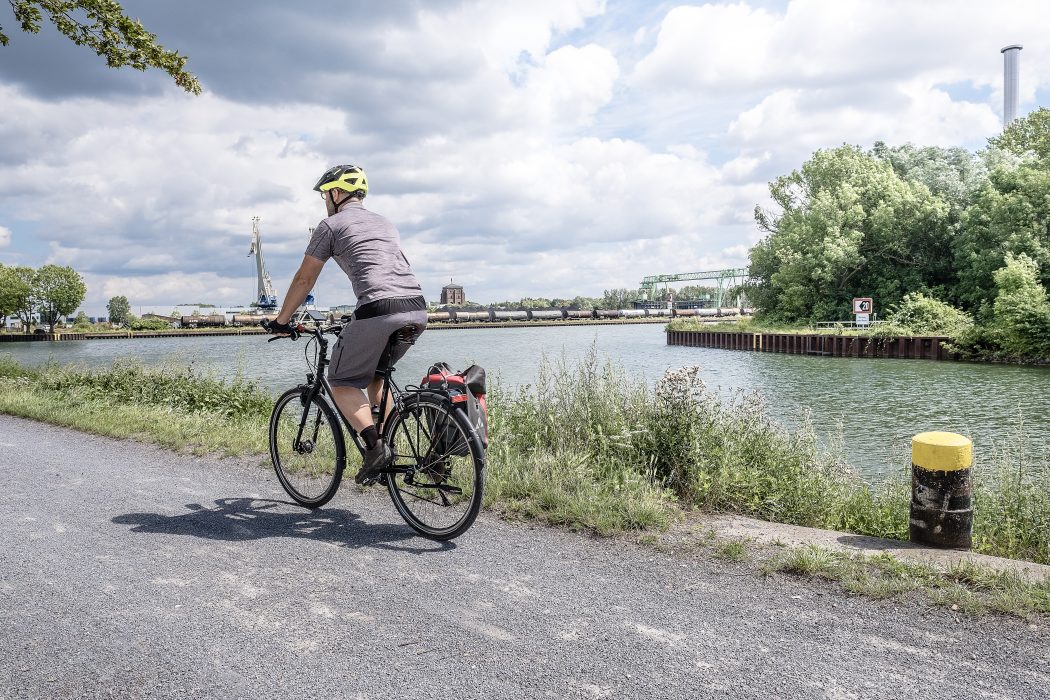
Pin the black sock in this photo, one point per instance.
(371, 437)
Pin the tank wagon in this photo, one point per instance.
(210, 321)
(250, 319)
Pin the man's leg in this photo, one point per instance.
(375, 395)
(354, 404)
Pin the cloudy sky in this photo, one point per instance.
(539, 148)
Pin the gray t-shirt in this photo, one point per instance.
(368, 248)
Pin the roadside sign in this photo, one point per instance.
(862, 305)
(862, 319)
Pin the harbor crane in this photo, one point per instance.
(265, 297)
(725, 280)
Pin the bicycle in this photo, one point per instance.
(436, 480)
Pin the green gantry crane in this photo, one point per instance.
(724, 279)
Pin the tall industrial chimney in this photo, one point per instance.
(1011, 70)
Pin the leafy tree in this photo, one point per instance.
(1027, 137)
(953, 174)
(119, 309)
(16, 293)
(7, 299)
(847, 226)
(621, 298)
(58, 291)
(81, 320)
(102, 26)
(1021, 312)
(1011, 214)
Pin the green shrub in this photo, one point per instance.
(147, 324)
(1021, 312)
(1017, 324)
(918, 314)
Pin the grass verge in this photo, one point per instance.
(965, 586)
(585, 447)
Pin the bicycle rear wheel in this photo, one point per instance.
(307, 448)
(439, 493)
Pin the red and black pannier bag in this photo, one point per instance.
(466, 390)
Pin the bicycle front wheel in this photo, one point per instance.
(307, 448)
(440, 464)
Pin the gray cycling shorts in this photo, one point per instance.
(361, 344)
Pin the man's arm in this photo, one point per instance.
(302, 283)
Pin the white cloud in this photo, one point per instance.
(814, 43)
(571, 85)
(168, 288)
(814, 119)
(524, 148)
(711, 46)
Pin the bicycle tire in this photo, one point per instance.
(414, 501)
(329, 455)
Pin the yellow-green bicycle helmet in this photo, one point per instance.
(346, 177)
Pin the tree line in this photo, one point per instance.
(52, 291)
(910, 225)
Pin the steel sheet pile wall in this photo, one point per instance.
(908, 347)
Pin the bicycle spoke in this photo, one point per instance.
(307, 465)
(439, 492)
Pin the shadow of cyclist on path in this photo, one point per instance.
(242, 519)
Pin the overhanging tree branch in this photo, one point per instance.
(103, 26)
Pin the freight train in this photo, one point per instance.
(492, 316)
(496, 316)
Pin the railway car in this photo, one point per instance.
(579, 314)
(508, 315)
(633, 313)
(658, 312)
(250, 319)
(439, 316)
(469, 316)
(210, 321)
(609, 313)
(545, 314)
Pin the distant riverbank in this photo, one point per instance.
(68, 335)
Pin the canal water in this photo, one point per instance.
(870, 408)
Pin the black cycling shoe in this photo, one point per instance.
(376, 460)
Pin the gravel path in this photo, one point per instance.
(129, 571)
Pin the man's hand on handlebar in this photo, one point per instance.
(281, 330)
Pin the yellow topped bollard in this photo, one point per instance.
(941, 504)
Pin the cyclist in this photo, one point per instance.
(367, 247)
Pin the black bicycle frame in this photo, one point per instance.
(318, 384)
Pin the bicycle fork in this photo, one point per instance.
(307, 401)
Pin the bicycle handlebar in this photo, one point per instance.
(299, 329)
